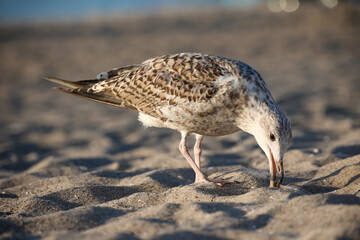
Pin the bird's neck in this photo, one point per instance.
(250, 119)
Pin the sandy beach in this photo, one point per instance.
(76, 169)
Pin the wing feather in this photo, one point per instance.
(157, 82)
(102, 98)
(77, 84)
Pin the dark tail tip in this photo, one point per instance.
(67, 90)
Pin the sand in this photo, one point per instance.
(75, 169)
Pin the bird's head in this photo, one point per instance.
(272, 132)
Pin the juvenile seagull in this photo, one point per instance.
(195, 93)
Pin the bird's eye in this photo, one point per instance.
(272, 137)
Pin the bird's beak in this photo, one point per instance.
(273, 167)
(280, 168)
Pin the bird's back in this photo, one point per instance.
(196, 92)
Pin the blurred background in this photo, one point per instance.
(23, 11)
(307, 52)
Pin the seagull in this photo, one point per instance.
(199, 94)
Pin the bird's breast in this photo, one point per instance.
(201, 118)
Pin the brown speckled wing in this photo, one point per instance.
(121, 71)
(160, 81)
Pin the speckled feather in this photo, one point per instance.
(193, 92)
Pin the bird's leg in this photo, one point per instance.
(197, 155)
(199, 176)
(197, 149)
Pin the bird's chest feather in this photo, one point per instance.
(204, 119)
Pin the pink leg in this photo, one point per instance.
(197, 150)
(199, 176)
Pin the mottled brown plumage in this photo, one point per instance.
(192, 93)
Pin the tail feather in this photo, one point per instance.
(73, 85)
(83, 89)
(97, 97)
